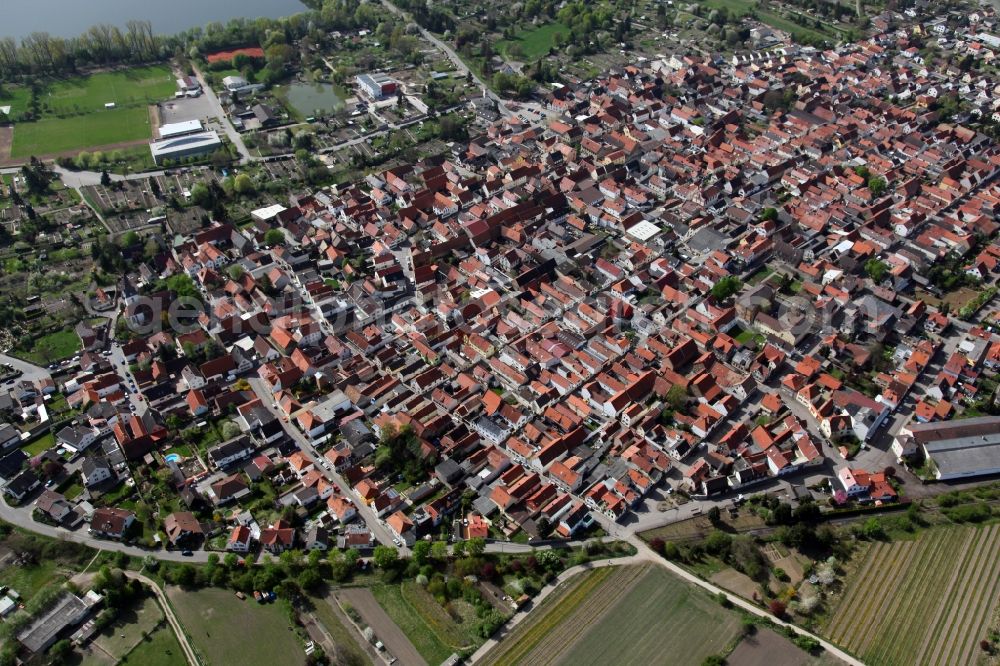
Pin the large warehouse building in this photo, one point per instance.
(959, 449)
(199, 143)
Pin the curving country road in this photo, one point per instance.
(645, 554)
(21, 517)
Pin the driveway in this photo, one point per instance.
(385, 629)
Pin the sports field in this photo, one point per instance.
(72, 113)
(634, 615)
(101, 128)
(925, 601)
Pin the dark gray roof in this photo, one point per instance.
(22, 483)
(12, 463)
(93, 463)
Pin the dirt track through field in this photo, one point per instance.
(6, 141)
(168, 613)
(385, 629)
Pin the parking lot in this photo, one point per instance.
(184, 109)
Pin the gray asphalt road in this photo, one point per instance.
(227, 126)
(380, 532)
(21, 517)
(30, 372)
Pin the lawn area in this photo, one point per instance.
(16, 98)
(52, 347)
(947, 579)
(427, 643)
(72, 490)
(219, 624)
(126, 633)
(760, 275)
(104, 127)
(159, 649)
(626, 615)
(775, 20)
(341, 634)
(43, 443)
(29, 580)
(534, 42)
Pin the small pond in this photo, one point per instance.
(314, 99)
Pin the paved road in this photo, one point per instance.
(120, 366)
(395, 641)
(447, 50)
(21, 517)
(168, 612)
(645, 554)
(29, 371)
(227, 126)
(374, 524)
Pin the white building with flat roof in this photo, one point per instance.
(171, 130)
(268, 213)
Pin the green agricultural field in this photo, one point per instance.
(635, 615)
(159, 649)
(534, 42)
(947, 579)
(219, 624)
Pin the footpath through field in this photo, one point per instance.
(385, 629)
(168, 612)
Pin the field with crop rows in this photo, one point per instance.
(635, 615)
(924, 601)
